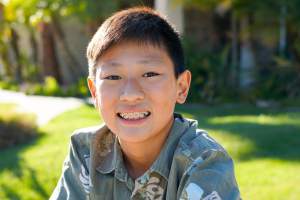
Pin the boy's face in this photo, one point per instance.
(136, 91)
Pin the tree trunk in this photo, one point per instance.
(35, 54)
(247, 58)
(282, 39)
(1, 18)
(292, 37)
(67, 52)
(50, 65)
(7, 51)
(92, 27)
(1, 32)
(234, 49)
(16, 50)
(34, 46)
(3, 50)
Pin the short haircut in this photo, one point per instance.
(138, 24)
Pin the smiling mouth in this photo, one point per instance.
(133, 116)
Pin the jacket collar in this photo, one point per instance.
(111, 156)
(164, 160)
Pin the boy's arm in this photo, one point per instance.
(74, 181)
(210, 177)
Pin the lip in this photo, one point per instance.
(133, 121)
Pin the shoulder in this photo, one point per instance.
(75, 182)
(197, 148)
(206, 168)
(203, 143)
(81, 138)
(200, 147)
(196, 143)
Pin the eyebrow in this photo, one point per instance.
(150, 59)
(146, 60)
(111, 63)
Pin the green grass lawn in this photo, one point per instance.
(264, 144)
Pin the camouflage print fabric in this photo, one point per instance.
(190, 166)
(150, 186)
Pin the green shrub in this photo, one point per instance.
(52, 88)
(212, 77)
(83, 89)
(8, 84)
(213, 80)
(280, 81)
(15, 127)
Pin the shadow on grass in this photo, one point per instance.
(280, 141)
(9, 194)
(12, 161)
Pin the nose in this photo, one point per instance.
(132, 91)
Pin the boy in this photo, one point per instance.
(144, 150)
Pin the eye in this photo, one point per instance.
(150, 74)
(113, 77)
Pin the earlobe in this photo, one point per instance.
(184, 81)
(93, 91)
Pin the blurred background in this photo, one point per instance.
(237, 51)
(244, 56)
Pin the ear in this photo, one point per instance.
(93, 90)
(184, 81)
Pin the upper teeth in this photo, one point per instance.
(136, 115)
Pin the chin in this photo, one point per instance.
(133, 136)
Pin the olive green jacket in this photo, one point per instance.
(191, 166)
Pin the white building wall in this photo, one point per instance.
(75, 35)
(174, 14)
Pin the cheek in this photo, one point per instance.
(107, 97)
(108, 91)
(163, 93)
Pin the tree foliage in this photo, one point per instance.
(265, 14)
(32, 13)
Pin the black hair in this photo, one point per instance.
(141, 24)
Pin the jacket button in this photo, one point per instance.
(137, 197)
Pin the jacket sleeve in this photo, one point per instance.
(210, 177)
(74, 181)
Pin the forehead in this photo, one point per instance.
(134, 52)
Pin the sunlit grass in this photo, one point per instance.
(291, 119)
(265, 149)
(268, 179)
(31, 171)
(7, 106)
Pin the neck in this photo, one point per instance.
(139, 157)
